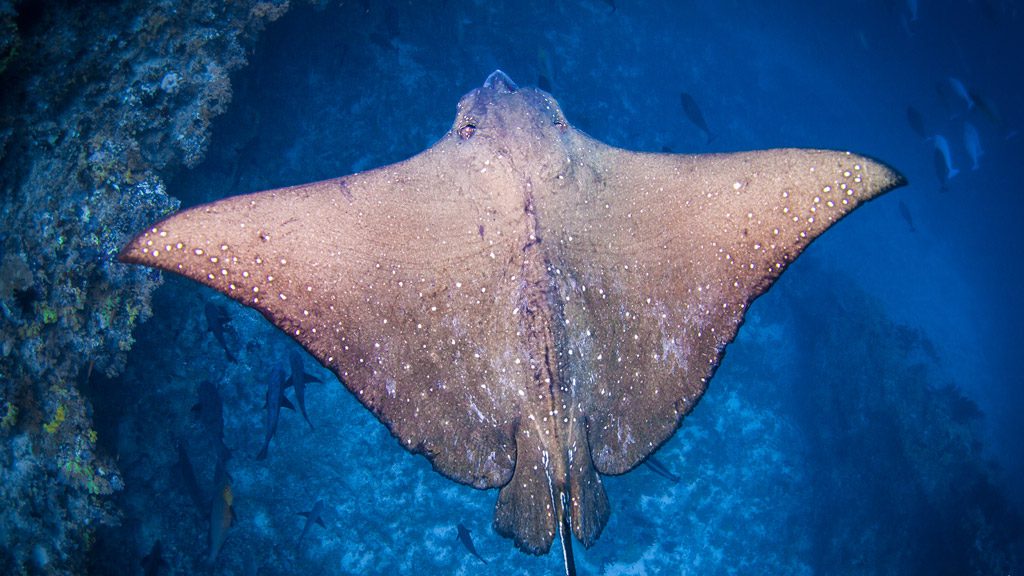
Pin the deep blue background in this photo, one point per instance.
(839, 435)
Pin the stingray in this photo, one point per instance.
(525, 306)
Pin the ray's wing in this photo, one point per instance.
(397, 279)
(662, 254)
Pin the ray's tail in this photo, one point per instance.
(565, 535)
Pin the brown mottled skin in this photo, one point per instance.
(527, 307)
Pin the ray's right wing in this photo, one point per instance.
(662, 254)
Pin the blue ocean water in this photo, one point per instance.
(864, 421)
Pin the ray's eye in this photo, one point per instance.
(467, 131)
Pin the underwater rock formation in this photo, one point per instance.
(100, 101)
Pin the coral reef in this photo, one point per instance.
(100, 101)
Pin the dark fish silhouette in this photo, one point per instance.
(905, 213)
(222, 511)
(660, 469)
(154, 561)
(916, 122)
(692, 111)
(210, 411)
(217, 322)
(187, 474)
(467, 540)
(988, 109)
(298, 379)
(275, 401)
(314, 516)
(527, 307)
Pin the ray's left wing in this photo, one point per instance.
(395, 279)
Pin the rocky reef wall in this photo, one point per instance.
(101, 101)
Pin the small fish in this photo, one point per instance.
(943, 160)
(316, 515)
(972, 142)
(210, 411)
(188, 478)
(660, 469)
(960, 91)
(988, 108)
(154, 561)
(692, 111)
(916, 122)
(905, 213)
(275, 400)
(218, 321)
(467, 540)
(298, 379)
(222, 511)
